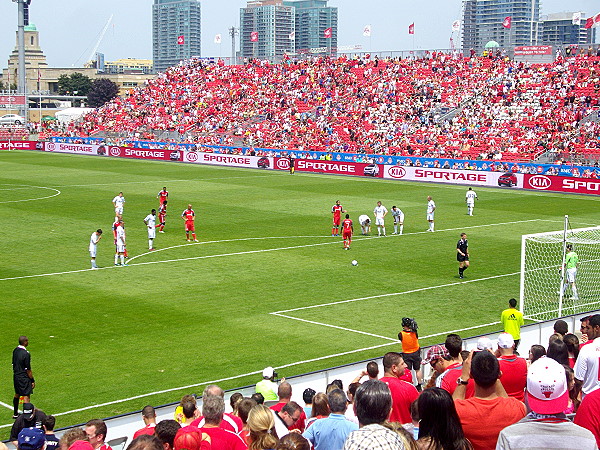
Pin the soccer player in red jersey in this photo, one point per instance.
(337, 211)
(347, 230)
(163, 196)
(190, 217)
(162, 216)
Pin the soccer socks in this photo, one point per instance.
(194, 236)
(122, 260)
(574, 288)
(116, 259)
(150, 244)
(16, 405)
(401, 229)
(395, 229)
(334, 231)
(94, 264)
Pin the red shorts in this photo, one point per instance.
(336, 221)
(189, 226)
(161, 218)
(347, 235)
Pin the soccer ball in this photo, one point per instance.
(354, 262)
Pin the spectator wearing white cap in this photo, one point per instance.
(485, 343)
(513, 367)
(546, 426)
(267, 387)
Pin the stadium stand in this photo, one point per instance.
(470, 108)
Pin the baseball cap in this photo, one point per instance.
(28, 410)
(31, 439)
(485, 343)
(505, 340)
(81, 445)
(435, 352)
(268, 372)
(547, 391)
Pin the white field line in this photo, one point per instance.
(234, 377)
(456, 283)
(27, 186)
(6, 405)
(191, 258)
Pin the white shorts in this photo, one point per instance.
(120, 248)
(119, 211)
(92, 252)
(151, 232)
(379, 221)
(430, 216)
(571, 274)
(399, 219)
(471, 203)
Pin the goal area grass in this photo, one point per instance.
(191, 313)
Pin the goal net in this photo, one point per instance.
(545, 289)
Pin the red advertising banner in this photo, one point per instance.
(562, 184)
(7, 101)
(21, 145)
(468, 177)
(332, 167)
(140, 153)
(533, 50)
(220, 159)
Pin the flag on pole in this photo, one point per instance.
(328, 32)
(507, 22)
(576, 18)
(217, 38)
(367, 31)
(593, 21)
(181, 40)
(411, 28)
(292, 35)
(456, 25)
(254, 36)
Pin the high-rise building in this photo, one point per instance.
(312, 18)
(483, 22)
(266, 29)
(558, 29)
(175, 32)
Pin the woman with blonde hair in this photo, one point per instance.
(261, 424)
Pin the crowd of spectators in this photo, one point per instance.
(488, 398)
(502, 109)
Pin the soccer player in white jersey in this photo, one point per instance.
(365, 224)
(118, 202)
(150, 222)
(120, 238)
(380, 212)
(470, 200)
(94, 238)
(398, 216)
(430, 213)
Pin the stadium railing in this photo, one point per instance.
(124, 425)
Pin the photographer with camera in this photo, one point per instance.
(268, 386)
(411, 350)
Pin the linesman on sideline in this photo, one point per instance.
(462, 254)
(22, 375)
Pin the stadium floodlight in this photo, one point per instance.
(542, 291)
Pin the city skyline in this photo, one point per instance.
(69, 29)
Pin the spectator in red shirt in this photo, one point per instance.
(491, 409)
(513, 368)
(284, 392)
(403, 393)
(149, 417)
(213, 408)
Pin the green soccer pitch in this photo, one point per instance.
(188, 314)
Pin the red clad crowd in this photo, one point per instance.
(501, 109)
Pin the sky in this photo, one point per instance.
(70, 29)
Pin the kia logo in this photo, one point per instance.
(540, 182)
(283, 164)
(192, 157)
(396, 172)
(50, 147)
(115, 151)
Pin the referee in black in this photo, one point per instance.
(462, 254)
(22, 375)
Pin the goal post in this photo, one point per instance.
(545, 290)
